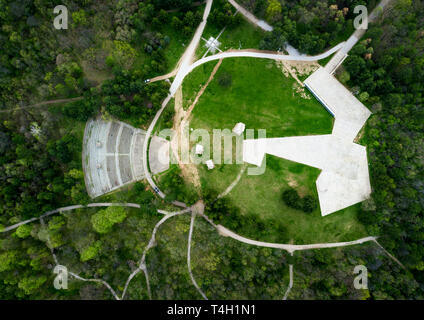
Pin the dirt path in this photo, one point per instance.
(290, 282)
(142, 263)
(234, 183)
(183, 68)
(43, 103)
(164, 77)
(78, 206)
(181, 139)
(202, 90)
(190, 235)
(291, 247)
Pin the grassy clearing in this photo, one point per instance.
(262, 97)
(243, 36)
(262, 195)
(194, 82)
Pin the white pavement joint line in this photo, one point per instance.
(63, 209)
(234, 183)
(390, 255)
(109, 183)
(131, 154)
(118, 139)
(150, 245)
(290, 282)
(98, 281)
(190, 234)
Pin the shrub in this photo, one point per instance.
(291, 199)
(104, 220)
(225, 80)
(309, 204)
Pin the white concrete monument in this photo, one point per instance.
(239, 128)
(210, 164)
(199, 149)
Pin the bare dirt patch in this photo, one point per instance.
(296, 69)
(293, 182)
(199, 94)
(181, 120)
(188, 171)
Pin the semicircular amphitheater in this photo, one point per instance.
(112, 155)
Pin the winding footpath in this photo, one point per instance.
(290, 248)
(260, 23)
(290, 282)
(69, 208)
(190, 234)
(43, 103)
(142, 263)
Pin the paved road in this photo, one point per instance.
(260, 23)
(184, 65)
(338, 59)
(250, 54)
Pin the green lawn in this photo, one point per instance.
(194, 82)
(243, 36)
(262, 97)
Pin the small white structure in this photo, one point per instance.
(98, 144)
(210, 164)
(213, 44)
(239, 128)
(199, 149)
